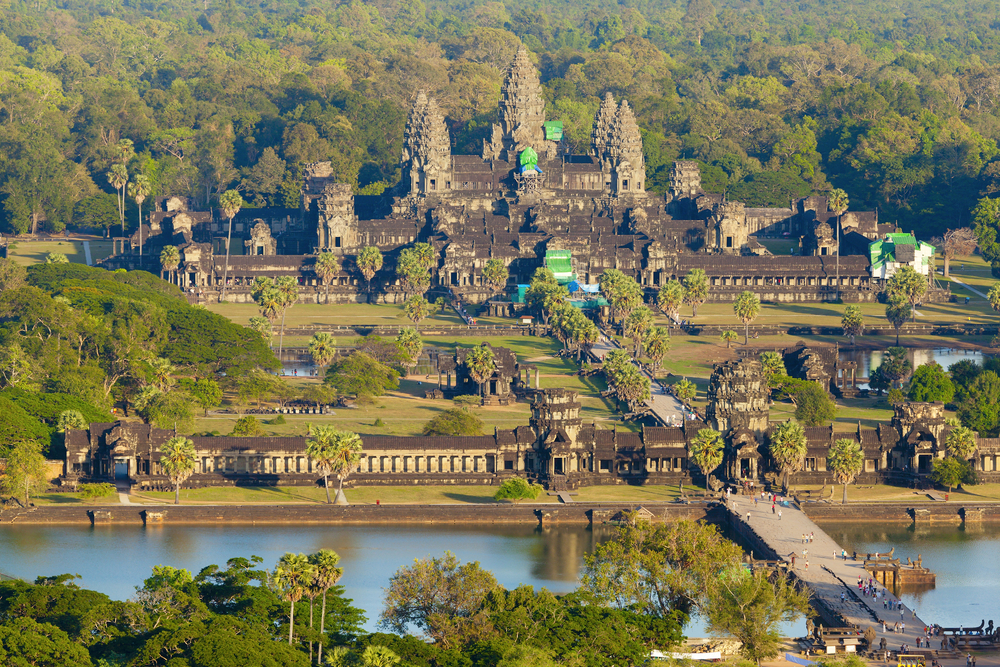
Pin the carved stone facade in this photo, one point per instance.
(738, 397)
(522, 114)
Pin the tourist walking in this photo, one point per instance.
(779, 515)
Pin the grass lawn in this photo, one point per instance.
(780, 246)
(72, 499)
(333, 315)
(34, 252)
(398, 495)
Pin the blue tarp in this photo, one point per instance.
(573, 287)
(592, 289)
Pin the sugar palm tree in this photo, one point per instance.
(118, 178)
(495, 274)
(170, 259)
(335, 452)
(838, 203)
(707, 449)
(846, 461)
(230, 202)
(669, 299)
(325, 576)
(178, 460)
(788, 448)
(369, 262)
(292, 575)
(417, 308)
(288, 292)
(695, 289)
(327, 266)
(481, 364)
(747, 308)
(322, 348)
(139, 189)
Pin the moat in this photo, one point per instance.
(115, 559)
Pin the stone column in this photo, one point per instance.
(537, 386)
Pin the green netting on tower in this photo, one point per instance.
(528, 157)
(560, 263)
(553, 130)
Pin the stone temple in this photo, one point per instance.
(521, 198)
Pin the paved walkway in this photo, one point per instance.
(665, 406)
(86, 253)
(828, 576)
(968, 287)
(123, 488)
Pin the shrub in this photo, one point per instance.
(94, 491)
(247, 427)
(455, 421)
(277, 421)
(517, 489)
(379, 422)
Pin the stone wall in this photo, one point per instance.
(499, 513)
(899, 513)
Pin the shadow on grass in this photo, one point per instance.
(466, 498)
(61, 500)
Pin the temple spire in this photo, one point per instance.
(426, 154)
(603, 124)
(522, 113)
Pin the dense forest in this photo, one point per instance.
(897, 103)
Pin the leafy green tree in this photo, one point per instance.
(961, 443)
(247, 427)
(517, 488)
(747, 308)
(361, 376)
(931, 383)
(292, 577)
(495, 274)
(707, 450)
(369, 261)
(98, 490)
(207, 393)
(12, 275)
(728, 336)
(949, 471)
(813, 405)
(670, 298)
(695, 289)
(24, 641)
(993, 296)
(659, 570)
(23, 469)
(787, 446)
(230, 202)
(853, 322)
(413, 271)
(322, 348)
(637, 327)
(895, 365)
(326, 267)
(454, 421)
(751, 605)
(846, 459)
(441, 597)
(481, 364)
(178, 460)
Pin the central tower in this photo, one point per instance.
(522, 114)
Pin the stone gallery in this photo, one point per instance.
(555, 448)
(524, 196)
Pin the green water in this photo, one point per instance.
(966, 562)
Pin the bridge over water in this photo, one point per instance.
(828, 576)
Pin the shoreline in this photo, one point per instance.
(543, 514)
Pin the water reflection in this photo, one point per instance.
(869, 359)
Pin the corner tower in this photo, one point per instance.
(426, 158)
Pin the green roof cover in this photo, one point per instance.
(882, 251)
(553, 130)
(528, 157)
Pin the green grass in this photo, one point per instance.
(34, 252)
(72, 499)
(780, 246)
(351, 314)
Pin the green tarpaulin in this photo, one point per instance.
(553, 130)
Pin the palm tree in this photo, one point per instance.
(846, 460)
(670, 298)
(838, 203)
(747, 308)
(139, 189)
(481, 365)
(292, 576)
(409, 343)
(657, 344)
(729, 336)
(495, 274)
(788, 448)
(230, 202)
(118, 177)
(377, 655)
(369, 261)
(695, 289)
(335, 452)
(322, 348)
(707, 449)
(178, 459)
(417, 308)
(161, 370)
(327, 266)
(325, 576)
(636, 327)
(170, 259)
(288, 291)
